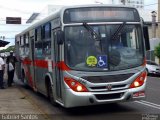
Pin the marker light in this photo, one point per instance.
(139, 81)
(75, 85)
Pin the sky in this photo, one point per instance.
(24, 9)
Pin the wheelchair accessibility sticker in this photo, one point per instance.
(102, 61)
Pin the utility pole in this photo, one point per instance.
(153, 24)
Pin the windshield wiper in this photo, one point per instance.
(94, 35)
(119, 29)
(91, 30)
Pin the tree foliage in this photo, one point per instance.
(157, 51)
(10, 48)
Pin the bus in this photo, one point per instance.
(85, 55)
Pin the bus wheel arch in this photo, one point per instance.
(49, 90)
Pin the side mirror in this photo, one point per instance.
(60, 37)
(146, 37)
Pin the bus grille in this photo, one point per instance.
(105, 88)
(108, 78)
(109, 96)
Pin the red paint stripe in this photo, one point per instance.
(62, 66)
(41, 63)
(144, 62)
(27, 61)
(37, 63)
(44, 64)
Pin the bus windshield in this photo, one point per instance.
(111, 51)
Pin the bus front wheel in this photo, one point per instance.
(50, 94)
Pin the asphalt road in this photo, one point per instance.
(148, 109)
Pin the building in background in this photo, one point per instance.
(158, 16)
(136, 3)
(133, 3)
(49, 9)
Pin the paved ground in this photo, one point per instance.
(10, 97)
(15, 105)
(18, 100)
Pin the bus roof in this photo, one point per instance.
(60, 11)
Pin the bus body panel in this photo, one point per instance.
(52, 65)
(75, 99)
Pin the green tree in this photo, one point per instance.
(157, 52)
(10, 48)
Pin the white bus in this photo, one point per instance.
(85, 55)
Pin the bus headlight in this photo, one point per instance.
(136, 84)
(75, 85)
(79, 88)
(139, 81)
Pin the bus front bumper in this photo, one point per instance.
(75, 99)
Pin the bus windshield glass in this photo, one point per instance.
(111, 51)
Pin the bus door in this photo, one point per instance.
(32, 66)
(57, 74)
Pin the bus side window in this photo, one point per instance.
(47, 39)
(38, 49)
(38, 43)
(21, 45)
(26, 44)
(47, 47)
(47, 31)
(38, 34)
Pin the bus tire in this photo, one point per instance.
(147, 71)
(50, 94)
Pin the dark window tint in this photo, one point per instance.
(39, 49)
(38, 33)
(151, 63)
(46, 31)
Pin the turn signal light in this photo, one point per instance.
(139, 81)
(75, 85)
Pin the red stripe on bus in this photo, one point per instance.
(44, 64)
(41, 63)
(37, 63)
(144, 62)
(62, 66)
(27, 61)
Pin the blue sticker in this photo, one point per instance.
(102, 61)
